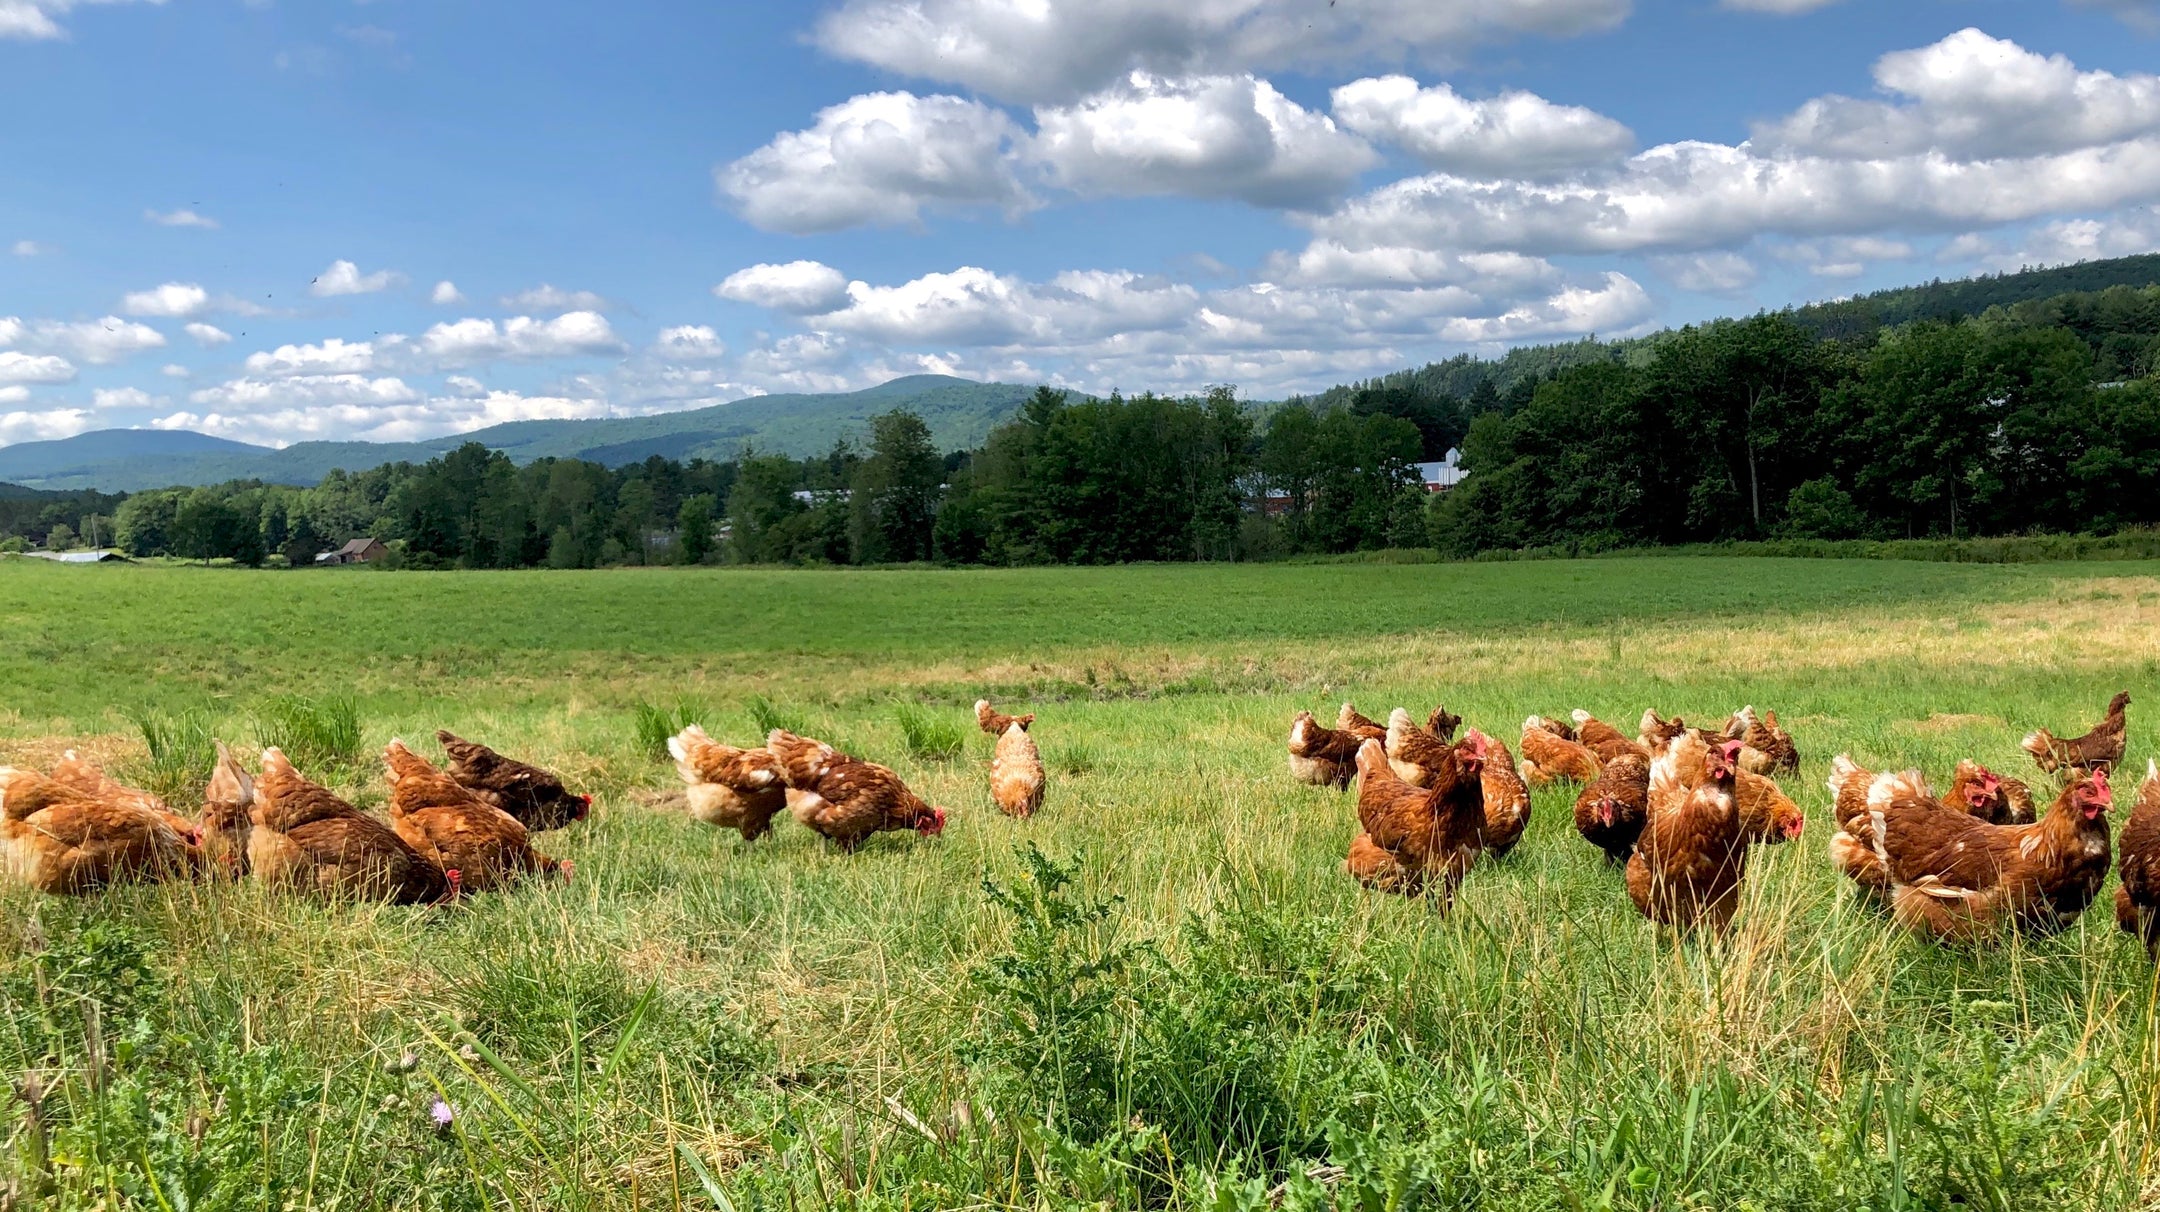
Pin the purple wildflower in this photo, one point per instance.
(441, 1113)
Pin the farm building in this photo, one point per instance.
(357, 551)
(102, 556)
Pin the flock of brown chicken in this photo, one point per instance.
(464, 828)
(1677, 806)
(842, 798)
(1680, 806)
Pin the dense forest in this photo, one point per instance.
(2037, 414)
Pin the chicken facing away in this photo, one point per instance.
(730, 788)
(1349, 719)
(1602, 739)
(1414, 753)
(1507, 799)
(1017, 781)
(56, 839)
(1763, 734)
(1656, 732)
(1443, 723)
(1692, 856)
(1957, 878)
(846, 799)
(227, 816)
(1610, 812)
(995, 724)
(2137, 898)
(2099, 749)
(456, 830)
(309, 840)
(1321, 756)
(88, 780)
(536, 797)
(1433, 835)
(1548, 757)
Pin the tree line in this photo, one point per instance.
(2037, 415)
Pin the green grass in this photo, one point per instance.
(1168, 995)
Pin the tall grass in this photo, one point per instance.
(929, 735)
(180, 750)
(319, 733)
(767, 715)
(655, 725)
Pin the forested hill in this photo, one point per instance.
(959, 413)
(1484, 380)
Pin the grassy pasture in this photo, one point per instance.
(693, 1023)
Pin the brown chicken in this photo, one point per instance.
(1768, 744)
(1414, 753)
(2137, 899)
(309, 840)
(1548, 757)
(1611, 811)
(1433, 835)
(1507, 799)
(228, 807)
(1656, 732)
(1559, 728)
(56, 839)
(739, 789)
(1349, 719)
(1380, 871)
(1957, 878)
(534, 796)
(1016, 774)
(1989, 796)
(1974, 789)
(1321, 756)
(1852, 847)
(1692, 856)
(449, 826)
(1604, 740)
(995, 724)
(1443, 723)
(86, 779)
(844, 798)
(2099, 749)
(1767, 814)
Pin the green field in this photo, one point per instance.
(1207, 1011)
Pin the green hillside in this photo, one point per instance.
(960, 414)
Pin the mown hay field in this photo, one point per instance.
(1161, 992)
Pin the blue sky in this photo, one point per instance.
(391, 219)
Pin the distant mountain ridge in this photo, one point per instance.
(960, 413)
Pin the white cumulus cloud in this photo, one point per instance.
(333, 356)
(105, 399)
(345, 278)
(880, 158)
(99, 342)
(39, 20)
(1209, 136)
(29, 248)
(800, 287)
(173, 300)
(18, 368)
(1514, 134)
(208, 335)
(523, 338)
(42, 426)
(690, 341)
(1058, 50)
(445, 294)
